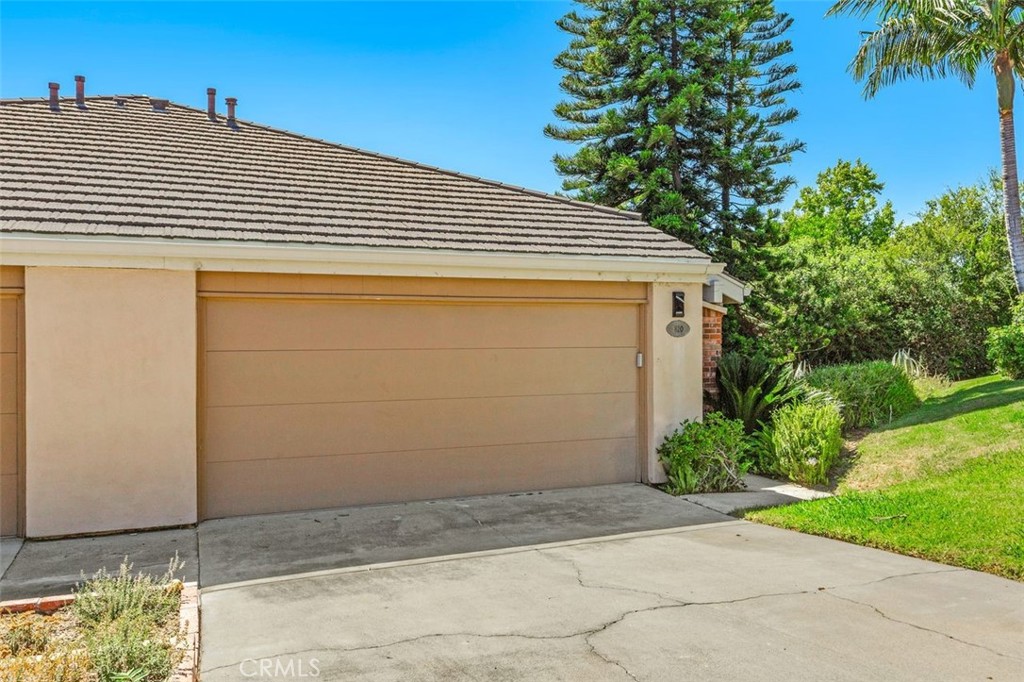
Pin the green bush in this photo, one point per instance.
(934, 287)
(750, 388)
(869, 393)
(803, 441)
(129, 648)
(128, 621)
(105, 598)
(1005, 345)
(708, 456)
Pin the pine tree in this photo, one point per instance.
(750, 106)
(676, 107)
(634, 107)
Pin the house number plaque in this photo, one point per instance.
(677, 328)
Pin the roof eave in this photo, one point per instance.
(722, 289)
(64, 250)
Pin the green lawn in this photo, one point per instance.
(944, 483)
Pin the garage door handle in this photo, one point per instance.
(639, 360)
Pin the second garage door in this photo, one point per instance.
(313, 403)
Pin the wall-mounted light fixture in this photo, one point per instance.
(678, 304)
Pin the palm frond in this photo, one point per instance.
(883, 9)
(909, 47)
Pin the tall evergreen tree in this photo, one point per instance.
(676, 108)
(750, 108)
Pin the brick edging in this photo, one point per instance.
(188, 619)
(45, 605)
(187, 669)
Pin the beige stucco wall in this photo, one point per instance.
(676, 392)
(110, 399)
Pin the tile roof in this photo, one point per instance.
(132, 171)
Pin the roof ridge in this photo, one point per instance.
(13, 100)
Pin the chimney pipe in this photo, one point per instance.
(80, 91)
(54, 96)
(211, 103)
(231, 102)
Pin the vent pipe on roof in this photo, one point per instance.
(54, 96)
(211, 103)
(158, 104)
(80, 91)
(231, 102)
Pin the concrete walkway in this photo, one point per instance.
(760, 492)
(51, 567)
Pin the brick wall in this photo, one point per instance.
(712, 348)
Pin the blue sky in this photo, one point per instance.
(461, 84)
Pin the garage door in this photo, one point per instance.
(10, 399)
(313, 403)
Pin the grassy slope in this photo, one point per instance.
(972, 418)
(959, 461)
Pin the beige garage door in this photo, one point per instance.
(317, 403)
(10, 399)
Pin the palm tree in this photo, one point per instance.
(938, 38)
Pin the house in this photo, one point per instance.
(206, 317)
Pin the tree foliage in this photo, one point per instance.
(676, 109)
(938, 38)
(933, 287)
(842, 208)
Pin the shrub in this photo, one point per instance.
(106, 598)
(935, 287)
(869, 393)
(1005, 345)
(708, 456)
(752, 387)
(128, 621)
(128, 647)
(803, 441)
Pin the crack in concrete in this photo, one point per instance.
(408, 640)
(673, 603)
(923, 628)
(595, 586)
(585, 634)
(633, 590)
(608, 659)
(493, 529)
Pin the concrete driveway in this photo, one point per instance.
(711, 598)
(607, 583)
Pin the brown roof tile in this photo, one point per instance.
(131, 171)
